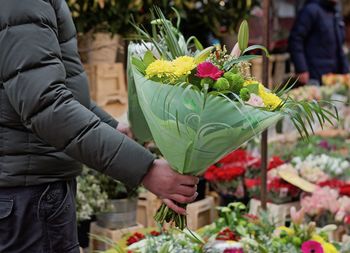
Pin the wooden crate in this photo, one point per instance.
(147, 206)
(200, 213)
(278, 213)
(114, 235)
(107, 83)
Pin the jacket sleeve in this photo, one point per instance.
(302, 26)
(76, 79)
(33, 76)
(103, 115)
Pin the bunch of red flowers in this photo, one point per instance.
(278, 184)
(227, 235)
(240, 157)
(224, 173)
(253, 170)
(230, 167)
(274, 162)
(136, 237)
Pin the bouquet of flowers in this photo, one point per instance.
(202, 104)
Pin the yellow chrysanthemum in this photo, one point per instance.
(160, 68)
(183, 65)
(271, 100)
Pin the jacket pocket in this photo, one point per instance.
(6, 206)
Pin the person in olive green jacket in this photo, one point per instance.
(49, 126)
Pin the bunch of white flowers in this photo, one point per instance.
(90, 198)
(321, 165)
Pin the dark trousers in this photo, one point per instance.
(38, 219)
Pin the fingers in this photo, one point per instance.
(187, 180)
(183, 199)
(129, 134)
(186, 190)
(174, 207)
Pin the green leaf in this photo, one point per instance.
(139, 64)
(196, 42)
(243, 35)
(193, 236)
(148, 58)
(201, 56)
(228, 65)
(254, 47)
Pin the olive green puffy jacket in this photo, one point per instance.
(48, 125)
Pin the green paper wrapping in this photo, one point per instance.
(194, 130)
(136, 118)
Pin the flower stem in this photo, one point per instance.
(165, 214)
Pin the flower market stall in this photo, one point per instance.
(204, 112)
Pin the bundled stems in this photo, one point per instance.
(165, 214)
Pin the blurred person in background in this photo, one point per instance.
(316, 41)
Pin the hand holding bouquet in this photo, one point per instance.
(201, 104)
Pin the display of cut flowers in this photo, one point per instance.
(201, 104)
(167, 241)
(260, 235)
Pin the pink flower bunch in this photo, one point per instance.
(323, 199)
